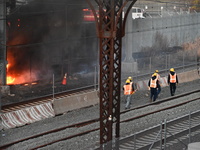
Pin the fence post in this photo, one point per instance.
(134, 141)
(150, 64)
(189, 127)
(166, 63)
(165, 139)
(137, 71)
(0, 100)
(53, 87)
(161, 140)
(183, 62)
(95, 77)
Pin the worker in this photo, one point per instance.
(128, 89)
(172, 81)
(159, 85)
(153, 85)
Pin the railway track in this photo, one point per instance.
(91, 126)
(47, 98)
(43, 99)
(164, 135)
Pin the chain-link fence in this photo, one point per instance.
(85, 74)
(181, 61)
(164, 8)
(41, 51)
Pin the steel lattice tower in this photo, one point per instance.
(110, 30)
(3, 62)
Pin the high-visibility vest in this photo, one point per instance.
(128, 89)
(153, 83)
(172, 78)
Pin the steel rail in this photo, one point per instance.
(159, 110)
(6, 108)
(81, 124)
(85, 123)
(178, 126)
(42, 99)
(66, 138)
(161, 101)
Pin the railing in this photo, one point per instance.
(162, 135)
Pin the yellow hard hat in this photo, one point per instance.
(172, 70)
(128, 81)
(130, 78)
(156, 71)
(155, 74)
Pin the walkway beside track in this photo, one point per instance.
(39, 112)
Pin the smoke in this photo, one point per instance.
(47, 34)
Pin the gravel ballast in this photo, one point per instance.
(89, 141)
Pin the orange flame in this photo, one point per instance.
(10, 79)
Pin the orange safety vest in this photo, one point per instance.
(153, 83)
(172, 78)
(128, 89)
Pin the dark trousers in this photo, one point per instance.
(172, 88)
(153, 94)
(159, 90)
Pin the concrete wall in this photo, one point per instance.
(76, 101)
(176, 29)
(87, 99)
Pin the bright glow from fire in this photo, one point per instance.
(10, 79)
(20, 78)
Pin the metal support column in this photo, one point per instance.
(110, 30)
(3, 42)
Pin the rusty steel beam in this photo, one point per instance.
(3, 61)
(110, 30)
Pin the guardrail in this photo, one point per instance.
(162, 135)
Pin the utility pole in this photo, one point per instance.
(110, 30)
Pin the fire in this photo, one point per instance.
(21, 67)
(34, 83)
(10, 79)
(20, 77)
